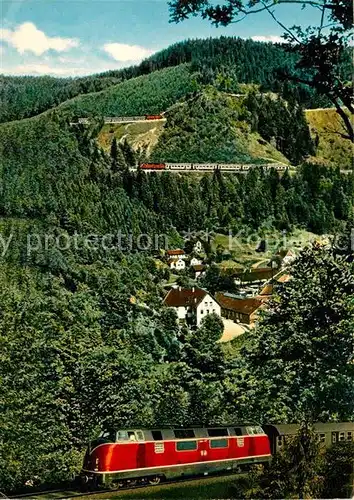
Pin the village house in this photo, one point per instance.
(191, 304)
(257, 276)
(240, 310)
(176, 264)
(195, 262)
(194, 247)
(176, 254)
(198, 247)
(199, 270)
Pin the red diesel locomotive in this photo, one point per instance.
(133, 456)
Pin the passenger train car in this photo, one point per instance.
(208, 167)
(122, 119)
(152, 455)
(139, 456)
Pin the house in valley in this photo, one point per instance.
(198, 247)
(191, 304)
(177, 253)
(199, 271)
(240, 310)
(176, 264)
(195, 262)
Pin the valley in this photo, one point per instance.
(136, 298)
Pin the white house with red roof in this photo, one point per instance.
(178, 253)
(192, 303)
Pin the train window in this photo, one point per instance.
(131, 436)
(139, 435)
(186, 445)
(349, 436)
(254, 430)
(122, 436)
(184, 433)
(238, 431)
(219, 443)
(258, 430)
(280, 440)
(334, 437)
(341, 436)
(157, 435)
(217, 432)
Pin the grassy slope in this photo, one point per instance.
(203, 488)
(139, 135)
(142, 95)
(332, 148)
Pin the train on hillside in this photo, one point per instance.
(148, 456)
(208, 167)
(123, 119)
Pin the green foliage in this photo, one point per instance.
(215, 281)
(205, 128)
(338, 470)
(317, 198)
(302, 350)
(147, 94)
(283, 123)
(293, 473)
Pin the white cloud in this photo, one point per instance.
(268, 38)
(28, 38)
(123, 52)
(44, 69)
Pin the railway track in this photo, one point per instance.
(67, 494)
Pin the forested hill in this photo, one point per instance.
(235, 60)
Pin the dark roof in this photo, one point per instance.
(184, 297)
(178, 251)
(199, 267)
(258, 274)
(242, 306)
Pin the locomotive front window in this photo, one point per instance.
(238, 431)
(109, 435)
(217, 432)
(186, 445)
(123, 436)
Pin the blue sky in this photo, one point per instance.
(79, 37)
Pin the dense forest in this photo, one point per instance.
(316, 198)
(242, 61)
(148, 94)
